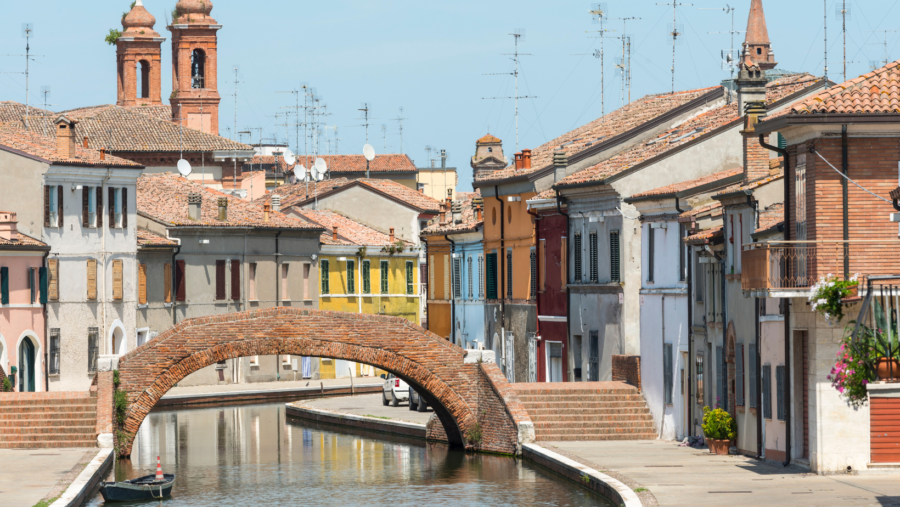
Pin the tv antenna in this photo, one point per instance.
(428, 150)
(399, 119)
(384, 136)
(729, 56)
(27, 33)
(842, 9)
(885, 44)
(236, 69)
(675, 30)
(296, 109)
(517, 34)
(626, 58)
(45, 91)
(598, 15)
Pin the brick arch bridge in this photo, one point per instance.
(468, 397)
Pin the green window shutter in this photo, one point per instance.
(492, 276)
(385, 271)
(31, 285)
(351, 279)
(367, 283)
(4, 285)
(44, 285)
(409, 277)
(323, 272)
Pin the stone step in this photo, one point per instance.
(575, 392)
(49, 445)
(25, 409)
(48, 437)
(564, 418)
(36, 430)
(579, 397)
(539, 412)
(77, 419)
(562, 437)
(602, 426)
(584, 406)
(19, 402)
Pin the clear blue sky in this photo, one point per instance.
(430, 58)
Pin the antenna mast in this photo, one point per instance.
(626, 58)
(296, 109)
(675, 33)
(825, 16)
(517, 34)
(400, 119)
(598, 13)
(236, 68)
(27, 32)
(885, 44)
(730, 58)
(843, 11)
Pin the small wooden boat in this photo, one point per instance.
(142, 488)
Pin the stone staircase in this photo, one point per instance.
(586, 411)
(46, 420)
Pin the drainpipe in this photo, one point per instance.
(452, 300)
(502, 255)
(174, 278)
(46, 344)
(277, 300)
(690, 326)
(787, 308)
(845, 166)
(566, 281)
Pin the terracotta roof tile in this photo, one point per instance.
(161, 112)
(22, 240)
(614, 123)
(468, 222)
(488, 139)
(147, 238)
(14, 112)
(684, 133)
(413, 197)
(164, 197)
(704, 236)
(31, 142)
(295, 194)
(871, 93)
(753, 184)
(687, 185)
(338, 164)
(349, 231)
(701, 210)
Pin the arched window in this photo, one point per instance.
(198, 69)
(143, 79)
(490, 150)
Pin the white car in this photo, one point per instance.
(394, 390)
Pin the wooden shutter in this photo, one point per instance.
(4, 285)
(779, 384)
(410, 274)
(307, 267)
(667, 372)
(220, 280)
(124, 207)
(180, 281)
(509, 273)
(53, 286)
(285, 292)
(117, 280)
(351, 277)
(431, 267)
(720, 378)
(651, 252)
(577, 253)
(85, 198)
(42, 274)
(542, 266)
(446, 276)
(615, 270)
(324, 275)
(884, 428)
(491, 276)
(31, 285)
(167, 283)
(112, 207)
(593, 258)
(100, 207)
(457, 279)
(59, 206)
(384, 277)
(563, 263)
(739, 375)
(366, 281)
(46, 206)
(753, 386)
(142, 284)
(92, 279)
(534, 274)
(766, 381)
(235, 276)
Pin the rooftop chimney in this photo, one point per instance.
(194, 201)
(456, 208)
(266, 209)
(8, 230)
(223, 209)
(443, 159)
(560, 161)
(65, 137)
(392, 234)
(334, 232)
(84, 142)
(102, 153)
(276, 203)
(519, 160)
(526, 159)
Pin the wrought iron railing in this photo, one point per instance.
(798, 265)
(876, 333)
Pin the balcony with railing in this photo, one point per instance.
(779, 268)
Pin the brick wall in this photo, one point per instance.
(105, 396)
(756, 158)
(627, 369)
(461, 394)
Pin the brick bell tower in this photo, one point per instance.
(195, 97)
(138, 52)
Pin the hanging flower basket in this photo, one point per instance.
(827, 294)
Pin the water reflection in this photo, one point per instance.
(254, 455)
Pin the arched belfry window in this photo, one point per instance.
(143, 76)
(198, 69)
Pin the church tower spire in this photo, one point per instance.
(195, 96)
(757, 47)
(138, 51)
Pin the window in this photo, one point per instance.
(577, 253)
(722, 400)
(306, 269)
(180, 281)
(563, 263)
(4, 285)
(739, 375)
(117, 280)
(699, 279)
(92, 279)
(682, 253)
(446, 276)
(254, 361)
(235, 280)
(615, 270)
(431, 269)
(534, 274)
(491, 276)
(167, 281)
(53, 282)
(89, 209)
(509, 273)
(53, 358)
(779, 388)
(410, 278)
(142, 284)
(542, 266)
(366, 277)
(594, 357)
(699, 372)
(351, 277)
(285, 292)
(220, 280)
(93, 348)
(667, 373)
(481, 277)
(53, 206)
(384, 271)
(324, 274)
(651, 252)
(592, 248)
(469, 274)
(31, 285)
(752, 366)
(198, 69)
(457, 278)
(251, 285)
(767, 391)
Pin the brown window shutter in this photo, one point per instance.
(46, 206)
(117, 280)
(54, 279)
(124, 207)
(112, 207)
(85, 190)
(220, 280)
(59, 205)
(142, 284)
(167, 275)
(92, 279)
(236, 280)
(180, 281)
(100, 207)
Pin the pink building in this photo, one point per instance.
(23, 290)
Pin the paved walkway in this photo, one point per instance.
(679, 476)
(261, 386)
(29, 475)
(371, 405)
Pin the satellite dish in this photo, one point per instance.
(369, 152)
(184, 167)
(289, 157)
(300, 172)
(320, 166)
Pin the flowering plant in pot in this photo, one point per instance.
(826, 295)
(720, 429)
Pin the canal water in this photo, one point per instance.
(255, 455)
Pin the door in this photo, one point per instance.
(26, 366)
(575, 348)
(594, 352)
(685, 396)
(554, 362)
(326, 368)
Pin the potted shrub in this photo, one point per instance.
(720, 429)
(871, 356)
(826, 295)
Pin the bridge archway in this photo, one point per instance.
(469, 398)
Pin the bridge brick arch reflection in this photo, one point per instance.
(468, 398)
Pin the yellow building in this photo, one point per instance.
(365, 271)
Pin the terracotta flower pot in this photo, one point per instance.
(718, 446)
(887, 369)
(854, 292)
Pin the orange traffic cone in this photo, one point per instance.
(159, 474)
